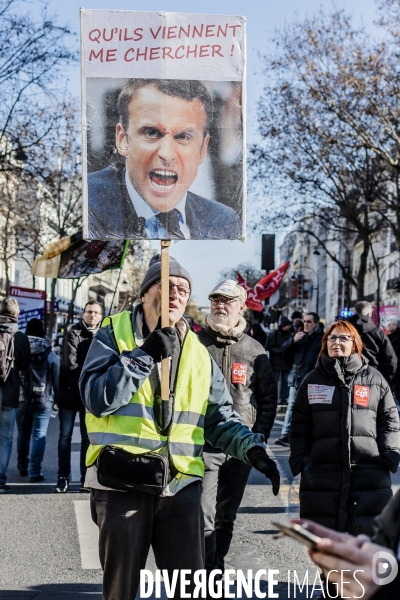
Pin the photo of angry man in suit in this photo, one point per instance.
(162, 136)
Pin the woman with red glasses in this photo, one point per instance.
(344, 437)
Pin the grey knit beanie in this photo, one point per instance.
(153, 273)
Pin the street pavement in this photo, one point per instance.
(48, 543)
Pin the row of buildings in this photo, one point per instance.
(318, 278)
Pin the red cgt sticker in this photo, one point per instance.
(361, 395)
(239, 371)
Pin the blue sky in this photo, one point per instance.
(203, 259)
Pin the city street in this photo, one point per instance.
(196, 205)
(48, 544)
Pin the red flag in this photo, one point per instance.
(252, 302)
(270, 283)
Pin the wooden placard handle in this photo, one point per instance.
(165, 244)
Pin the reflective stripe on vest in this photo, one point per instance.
(133, 428)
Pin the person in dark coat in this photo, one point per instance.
(34, 412)
(344, 438)
(302, 348)
(394, 338)
(251, 383)
(75, 348)
(280, 364)
(297, 321)
(376, 344)
(9, 389)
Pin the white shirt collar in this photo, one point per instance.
(145, 210)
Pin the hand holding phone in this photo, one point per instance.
(297, 532)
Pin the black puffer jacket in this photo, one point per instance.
(276, 339)
(22, 358)
(255, 400)
(387, 525)
(303, 353)
(346, 446)
(387, 533)
(394, 339)
(376, 346)
(75, 348)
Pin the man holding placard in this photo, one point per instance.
(145, 461)
(163, 158)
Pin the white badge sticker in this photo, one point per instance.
(320, 394)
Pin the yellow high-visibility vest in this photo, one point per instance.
(133, 428)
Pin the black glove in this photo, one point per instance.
(161, 343)
(260, 460)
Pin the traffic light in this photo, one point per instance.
(396, 285)
(268, 252)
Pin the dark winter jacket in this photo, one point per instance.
(387, 525)
(276, 339)
(22, 357)
(387, 534)
(303, 353)
(394, 339)
(255, 399)
(344, 446)
(75, 348)
(41, 346)
(376, 346)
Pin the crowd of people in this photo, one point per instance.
(33, 383)
(170, 472)
(342, 427)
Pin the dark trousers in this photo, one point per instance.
(224, 483)
(282, 378)
(130, 522)
(67, 420)
(7, 423)
(32, 422)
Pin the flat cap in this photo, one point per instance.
(230, 289)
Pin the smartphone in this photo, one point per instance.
(298, 533)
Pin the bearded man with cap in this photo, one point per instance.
(128, 425)
(251, 383)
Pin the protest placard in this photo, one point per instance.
(163, 135)
(163, 130)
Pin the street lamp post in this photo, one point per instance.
(315, 288)
(346, 282)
